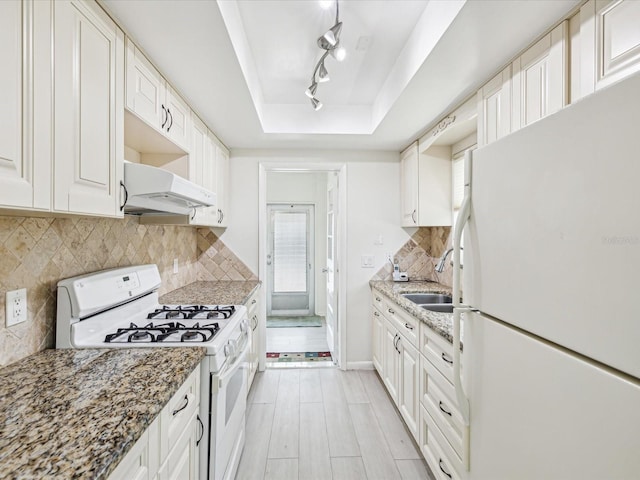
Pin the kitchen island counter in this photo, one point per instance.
(212, 293)
(439, 322)
(76, 413)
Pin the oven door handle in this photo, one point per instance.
(230, 369)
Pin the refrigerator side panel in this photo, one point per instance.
(553, 243)
(540, 413)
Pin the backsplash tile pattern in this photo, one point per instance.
(35, 253)
(217, 262)
(419, 256)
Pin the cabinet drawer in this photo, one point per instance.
(182, 406)
(406, 324)
(442, 460)
(438, 396)
(437, 350)
(377, 300)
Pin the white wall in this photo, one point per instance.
(306, 188)
(373, 209)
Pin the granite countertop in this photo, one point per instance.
(76, 413)
(212, 293)
(439, 322)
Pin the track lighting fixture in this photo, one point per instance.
(330, 43)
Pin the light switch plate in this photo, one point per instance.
(16, 307)
(366, 261)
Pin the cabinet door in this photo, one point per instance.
(222, 185)
(609, 42)
(378, 337)
(199, 137)
(23, 182)
(409, 397)
(178, 125)
(391, 356)
(183, 461)
(540, 78)
(494, 108)
(89, 109)
(145, 89)
(135, 464)
(203, 152)
(409, 185)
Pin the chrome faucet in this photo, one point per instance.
(440, 266)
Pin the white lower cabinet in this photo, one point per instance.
(408, 398)
(436, 450)
(377, 339)
(416, 366)
(168, 449)
(391, 360)
(254, 313)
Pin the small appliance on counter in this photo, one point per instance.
(399, 276)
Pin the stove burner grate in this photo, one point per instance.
(165, 332)
(192, 311)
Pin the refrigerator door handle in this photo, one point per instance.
(458, 308)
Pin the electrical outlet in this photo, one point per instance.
(16, 307)
(175, 265)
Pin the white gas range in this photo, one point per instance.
(119, 308)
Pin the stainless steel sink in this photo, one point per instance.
(438, 307)
(427, 298)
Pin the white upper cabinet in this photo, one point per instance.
(222, 184)
(89, 108)
(609, 42)
(153, 100)
(409, 185)
(494, 108)
(25, 167)
(540, 78)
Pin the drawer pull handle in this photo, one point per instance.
(201, 432)
(447, 358)
(378, 299)
(391, 312)
(178, 410)
(443, 410)
(253, 302)
(376, 314)
(442, 469)
(406, 325)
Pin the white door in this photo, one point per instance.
(331, 268)
(289, 260)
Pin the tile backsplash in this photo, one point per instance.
(419, 256)
(35, 253)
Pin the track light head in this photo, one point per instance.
(317, 104)
(330, 39)
(311, 91)
(323, 74)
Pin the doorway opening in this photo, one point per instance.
(300, 235)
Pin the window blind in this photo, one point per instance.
(289, 252)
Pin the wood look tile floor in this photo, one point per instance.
(326, 424)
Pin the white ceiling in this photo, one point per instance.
(244, 65)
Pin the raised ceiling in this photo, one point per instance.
(244, 65)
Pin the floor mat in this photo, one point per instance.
(284, 322)
(299, 357)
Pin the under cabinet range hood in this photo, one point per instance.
(153, 191)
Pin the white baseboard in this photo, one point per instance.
(359, 365)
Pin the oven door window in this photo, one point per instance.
(233, 391)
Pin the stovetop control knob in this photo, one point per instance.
(244, 326)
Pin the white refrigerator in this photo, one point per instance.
(551, 296)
